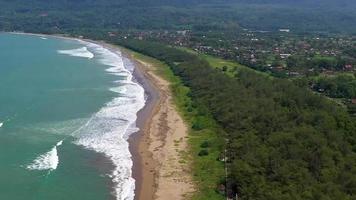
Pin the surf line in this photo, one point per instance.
(7, 120)
(47, 161)
(50, 160)
(79, 52)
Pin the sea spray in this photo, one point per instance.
(48, 96)
(107, 131)
(47, 161)
(80, 52)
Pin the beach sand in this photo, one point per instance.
(160, 171)
(157, 149)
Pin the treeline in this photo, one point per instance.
(284, 142)
(65, 15)
(318, 63)
(341, 86)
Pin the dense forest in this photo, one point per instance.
(342, 86)
(65, 15)
(284, 141)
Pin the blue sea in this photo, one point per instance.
(67, 108)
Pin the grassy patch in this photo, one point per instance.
(207, 170)
(229, 67)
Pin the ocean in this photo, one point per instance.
(67, 108)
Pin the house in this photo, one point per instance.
(278, 68)
(43, 15)
(293, 73)
(111, 34)
(284, 55)
(184, 32)
(348, 67)
(284, 30)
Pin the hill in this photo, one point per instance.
(63, 15)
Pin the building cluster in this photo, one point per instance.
(280, 52)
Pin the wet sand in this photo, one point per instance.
(158, 166)
(145, 168)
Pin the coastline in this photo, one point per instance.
(143, 172)
(163, 142)
(157, 147)
(145, 168)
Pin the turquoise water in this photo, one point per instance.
(61, 112)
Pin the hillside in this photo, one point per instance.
(271, 15)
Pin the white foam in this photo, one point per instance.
(62, 128)
(108, 130)
(59, 143)
(1, 124)
(47, 161)
(80, 52)
(43, 38)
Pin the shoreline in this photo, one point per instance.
(145, 168)
(164, 142)
(162, 137)
(158, 147)
(143, 172)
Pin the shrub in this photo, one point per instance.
(203, 152)
(205, 144)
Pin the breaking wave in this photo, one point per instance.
(107, 131)
(48, 161)
(80, 52)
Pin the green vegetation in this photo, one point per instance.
(243, 31)
(89, 15)
(340, 86)
(205, 143)
(284, 141)
(229, 67)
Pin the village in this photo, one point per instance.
(281, 53)
(326, 62)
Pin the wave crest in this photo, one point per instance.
(80, 52)
(108, 130)
(47, 161)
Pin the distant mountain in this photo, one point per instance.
(298, 15)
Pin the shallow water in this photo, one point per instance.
(63, 105)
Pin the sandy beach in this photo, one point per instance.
(159, 170)
(157, 149)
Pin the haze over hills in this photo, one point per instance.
(301, 16)
(244, 110)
